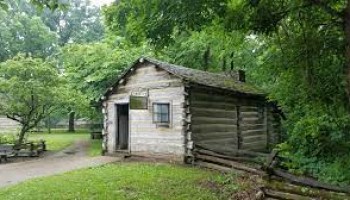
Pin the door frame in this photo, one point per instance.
(117, 127)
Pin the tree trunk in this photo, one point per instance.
(71, 127)
(347, 49)
(21, 135)
(49, 124)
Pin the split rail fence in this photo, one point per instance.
(278, 182)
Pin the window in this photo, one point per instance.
(161, 113)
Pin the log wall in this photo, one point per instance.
(214, 120)
(226, 123)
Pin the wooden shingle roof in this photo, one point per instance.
(200, 77)
(205, 78)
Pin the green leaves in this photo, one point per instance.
(51, 4)
(21, 33)
(27, 88)
(3, 5)
(158, 20)
(93, 68)
(79, 23)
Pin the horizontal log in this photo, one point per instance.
(253, 133)
(284, 195)
(212, 120)
(236, 152)
(215, 113)
(150, 78)
(258, 145)
(248, 108)
(213, 135)
(307, 191)
(213, 128)
(223, 149)
(211, 104)
(151, 85)
(233, 158)
(254, 139)
(213, 166)
(247, 127)
(308, 181)
(218, 141)
(249, 114)
(252, 121)
(229, 163)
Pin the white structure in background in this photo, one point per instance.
(8, 125)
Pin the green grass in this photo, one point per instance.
(58, 140)
(95, 148)
(125, 181)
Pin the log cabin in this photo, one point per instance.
(160, 109)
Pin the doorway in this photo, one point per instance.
(122, 140)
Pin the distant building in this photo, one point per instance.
(8, 125)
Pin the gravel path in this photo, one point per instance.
(73, 157)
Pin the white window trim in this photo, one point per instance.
(163, 125)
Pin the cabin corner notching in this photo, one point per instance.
(159, 109)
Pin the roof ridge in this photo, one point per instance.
(187, 68)
(205, 78)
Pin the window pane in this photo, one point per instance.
(158, 118)
(156, 108)
(165, 118)
(165, 108)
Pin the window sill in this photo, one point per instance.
(162, 125)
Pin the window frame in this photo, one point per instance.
(154, 117)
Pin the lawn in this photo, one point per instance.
(58, 140)
(95, 148)
(123, 181)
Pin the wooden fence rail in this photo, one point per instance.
(279, 183)
(28, 149)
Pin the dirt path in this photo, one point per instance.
(73, 157)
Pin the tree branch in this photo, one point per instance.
(14, 118)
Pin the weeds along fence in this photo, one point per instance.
(278, 182)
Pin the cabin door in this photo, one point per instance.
(122, 140)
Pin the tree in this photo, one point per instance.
(30, 89)
(51, 4)
(160, 20)
(214, 49)
(20, 33)
(92, 68)
(80, 23)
